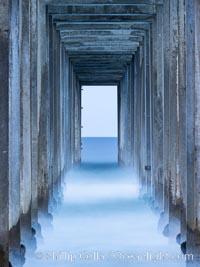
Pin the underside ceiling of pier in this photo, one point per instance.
(101, 39)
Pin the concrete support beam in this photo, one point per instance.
(104, 47)
(116, 39)
(44, 167)
(55, 113)
(125, 117)
(63, 116)
(193, 112)
(133, 25)
(25, 184)
(102, 9)
(68, 110)
(102, 18)
(34, 109)
(147, 112)
(166, 172)
(137, 115)
(158, 72)
(141, 87)
(6, 57)
(174, 178)
(98, 33)
(103, 2)
(49, 190)
(72, 85)
(98, 58)
(77, 156)
(182, 133)
(14, 135)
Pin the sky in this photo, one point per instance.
(99, 113)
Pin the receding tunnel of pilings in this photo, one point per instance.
(49, 51)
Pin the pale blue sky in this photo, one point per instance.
(99, 113)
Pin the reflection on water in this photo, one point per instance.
(103, 222)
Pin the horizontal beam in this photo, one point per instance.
(111, 65)
(115, 39)
(103, 54)
(106, 69)
(103, 2)
(97, 33)
(102, 9)
(91, 61)
(103, 77)
(96, 83)
(116, 75)
(101, 49)
(103, 18)
(102, 45)
(98, 64)
(100, 82)
(98, 75)
(97, 56)
(133, 25)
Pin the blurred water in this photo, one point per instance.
(102, 222)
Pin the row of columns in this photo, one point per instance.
(162, 127)
(39, 125)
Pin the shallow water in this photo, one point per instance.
(103, 222)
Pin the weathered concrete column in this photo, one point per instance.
(55, 113)
(77, 156)
(137, 111)
(174, 177)
(67, 112)
(9, 130)
(166, 116)
(63, 114)
(139, 117)
(142, 120)
(121, 123)
(151, 190)
(43, 112)
(34, 109)
(73, 119)
(158, 69)
(14, 135)
(49, 189)
(193, 127)
(71, 115)
(148, 111)
(68, 77)
(193, 112)
(63, 117)
(25, 183)
(132, 130)
(126, 122)
(182, 155)
(4, 129)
